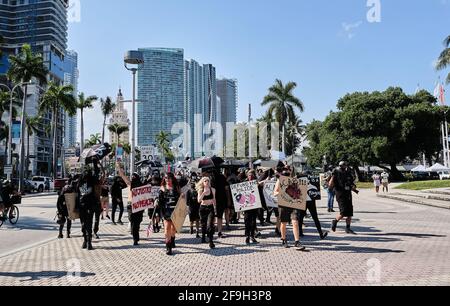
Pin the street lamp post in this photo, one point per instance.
(133, 58)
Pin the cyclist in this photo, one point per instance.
(6, 191)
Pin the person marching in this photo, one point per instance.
(168, 198)
(207, 200)
(117, 199)
(312, 208)
(250, 216)
(287, 215)
(63, 211)
(343, 183)
(385, 181)
(376, 182)
(105, 200)
(194, 205)
(330, 191)
(155, 212)
(88, 203)
(135, 218)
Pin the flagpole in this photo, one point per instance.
(444, 153)
(446, 140)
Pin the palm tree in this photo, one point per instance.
(82, 104)
(58, 97)
(33, 127)
(118, 129)
(94, 140)
(295, 130)
(5, 100)
(107, 109)
(282, 104)
(24, 67)
(444, 58)
(162, 140)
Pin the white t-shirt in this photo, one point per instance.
(385, 178)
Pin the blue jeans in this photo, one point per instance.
(331, 195)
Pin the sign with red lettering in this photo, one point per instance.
(143, 198)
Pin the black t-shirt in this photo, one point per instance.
(343, 180)
(219, 183)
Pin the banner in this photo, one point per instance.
(271, 200)
(143, 198)
(314, 188)
(293, 193)
(180, 213)
(246, 196)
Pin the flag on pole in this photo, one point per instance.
(439, 93)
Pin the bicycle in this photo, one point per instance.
(11, 213)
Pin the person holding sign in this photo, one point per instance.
(135, 218)
(287, 215)
(250, 216)
(168, 198)
(207, 200)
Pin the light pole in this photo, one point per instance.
(135, 58)
(11, 93)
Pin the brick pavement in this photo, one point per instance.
(398, 244)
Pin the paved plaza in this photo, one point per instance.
(397, 244)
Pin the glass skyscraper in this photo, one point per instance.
(71, 78)
(43, 25)
(161, 93)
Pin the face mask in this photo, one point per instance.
(178, 177)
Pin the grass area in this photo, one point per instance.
(363, 185)
(424, 185)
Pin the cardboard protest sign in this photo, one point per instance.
(142, 198)
(180, 213)
(71, 202)
(314, 188)
(246, 196)
(293, 193)
(271, 200)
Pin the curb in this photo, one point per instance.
(40, 195)
(412, 201)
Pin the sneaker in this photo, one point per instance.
(84, 246)
(258, 235)
(109, 218)
(324, 236)
(285, 244)
(334, 225)
(136, 243)
(254, 240)
(247, 241)
(97, 236)
(120, 223)
(68, 236)
(212, 245)
(299, 246)
(60, 236)
(220, 235)
(114, 223)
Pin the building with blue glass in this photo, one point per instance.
(227, 92)
(161, 93)
(71, 78)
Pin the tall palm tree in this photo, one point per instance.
(162, 140)
(118, 129)
(282, 104)
(82, 104)
(94, 140)
(444, 58)
(33, 127)
(107, 109)
(23, 68)
(58, 97)
(295, 130)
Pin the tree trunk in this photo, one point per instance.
(55, 143)
(22, 140)
(395, 174)
(82, 132)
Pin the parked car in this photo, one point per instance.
(28, 186)
(40, 181)
(444, 175)
(59, 184)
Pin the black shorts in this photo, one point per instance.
(288, 214)
(345, 202)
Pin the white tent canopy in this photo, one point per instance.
(438, 167)
(420, 168)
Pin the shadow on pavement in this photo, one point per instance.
(35, 276)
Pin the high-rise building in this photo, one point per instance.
(160, 93)
(201, 104)
(120, 116)
(71, 78)
(43, 25)
(227, 91)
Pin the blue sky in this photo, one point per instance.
(328, 47)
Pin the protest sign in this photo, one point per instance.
(293, 193)
(142, 198)
(271, 200)
(314, 188)
(180, 213)
(246, 196)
